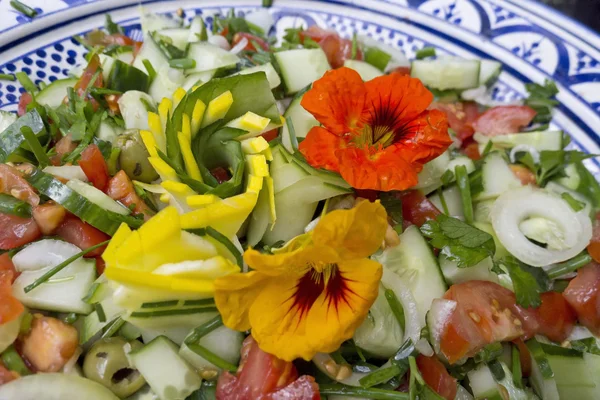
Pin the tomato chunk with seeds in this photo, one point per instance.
(416, 208)
(501, 120)
(437, 377)
(17, 231)
(93, 165)
(555, 316)
(82, 235)
(583, 294)
(121, 188)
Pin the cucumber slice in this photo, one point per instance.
(301, 119)
(414, 262)
(481, 271)
(452, 200)
(197, 79)
(224, 342)
(301, 67)
(286, 175)
(489, 72)
(9, 332)
(54, 94)
(107, 63)
(93, 325)
(133, 106)
(559, 189)
(461, 160)
(268, 69)
(167, 373)
(55, 386)
(67, 172)
(574, 373)
(108, 131)
(483, 385)
(151, 52)
(165, 83)
(125, 56)
(514, 393)
(209, 57)
(125, 77)
(572, 179)
(429, 177)
(497, 177)
(542, 140)
(364, 69)
(542, 376)
(446, 73)
(97, 196)
(7, 118)
(178, 36)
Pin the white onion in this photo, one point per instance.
(515, 206)
(474, 94)
(67, 172)
(424, 347)
(43, 254)
(240, 46)
(412, 321)
(524, 148)
(439, 313)
(261, 18)
(220, 41)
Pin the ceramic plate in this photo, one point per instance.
(533, 42)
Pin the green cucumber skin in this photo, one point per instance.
(12, 138)
(125, 77)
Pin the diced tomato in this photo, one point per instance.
(271, 135)
(461, 116)
(7, 265)
(121, 189)
(88, 74)
(6, 375)
(555, 316)
(10, 307)
(337, 49)
(524, 357)
(13, 183)
(471, 150)
(316, 33)
(93, 165)
(100, 265)
(49, 216)
(594, 246)
(437, 377)
(24, 101)
(502, 120)
(119, 39)
(82, 235)
(485, 313)
(64, 146)
(524, 174)
(402, 71)
(220, 174)
(416, 208)
(17, 231)
(252, 39)
(262, 376)
(583, 295)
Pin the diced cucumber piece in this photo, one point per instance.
(452, 199)
(489, 72)
(151, 52)
(133, 106)
(54, 386)
(542, 376)
(144, 393)
(463, 394)
(487, 227)
(125, 56)
(67, 172)
(429, 177)
(559, 189)
(93, 324)
(224, 342)
(542, 140)
(301, 67)
(176, 334)
(301, 119)
(97, 196)
(570, 181)
(108, 131)
(165, 83)
(509, 386)
(54, 94)
(125, 77)
(364, 69)
(167, 373)
(107, 63)
(198, 79)
(130, 331)
(209, 57)
(268, 69)
(178, 36)
(461, 160)
(481, 271)
(414, 262)
(99, 291)
(497, 177)
(482, 210)
(9, 332)
(397, 57)
(154, 22)
(446, 73)
(483, 385)
(6, 119)
(574, 374)
(185, 322)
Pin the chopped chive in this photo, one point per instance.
(267, 3)
(396, 307)
(338, 357)
(159, 304)
(212, 357)
(72, 97)
(104, 91)
(165, 313)
(517, 374)
(7, 77)
(70, 318)
(200, 302)
(377, 58)
(14, 206)
(224, 240)
(113, 328)
(352, 391)
(26, 324)
(113, 161)
(292, 133)
(425, 52)
(61, 266)
(575, 204)
(569, 266)
(13, 361)
(440, 193)
(26, 82)
(23, 8)
(149, 68)
(203, 36)
(379, 376)
(462, 179)
(204, 329)
(35, 146)
(100, 311)
(182, 63)
(358, 351)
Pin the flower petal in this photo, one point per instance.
(354, 233)
(337, 100)
(394, 100)
(425, 137)
(319, 148)
(300, 316)
(382, 170)
(235, 294)
(297, 254)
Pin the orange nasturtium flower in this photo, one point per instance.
(312, 294)
(376, 134)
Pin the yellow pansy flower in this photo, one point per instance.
(312, 294)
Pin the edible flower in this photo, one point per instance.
(376, 134)
(311, 295)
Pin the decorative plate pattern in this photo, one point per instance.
(532, 42)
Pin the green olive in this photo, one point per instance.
(134, 157)
(107, 364)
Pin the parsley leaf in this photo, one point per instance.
(541, 99)
(459, 241)
(528, 282)
(111, 27)
(552, 163)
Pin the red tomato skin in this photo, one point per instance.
(555, 317)
(10, 307)
(64, 146)
(251, 40)
(120, 188)
(13, 183)
(437, 377)
(220, 174)
(524, 357)
(100, 265)
(502, 120)
(17, 231)
(471, 150)
(23, 103)
(271, 135)
(118, 38)
(7, 265)
(402, 71)
(88, 74)
(594, 247)
(461, 116)
(416, 208)
(82, 235)
(583, 295)
(93, 165)
(336, 49)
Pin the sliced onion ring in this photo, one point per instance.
(515, 206)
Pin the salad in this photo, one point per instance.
(217, 213)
